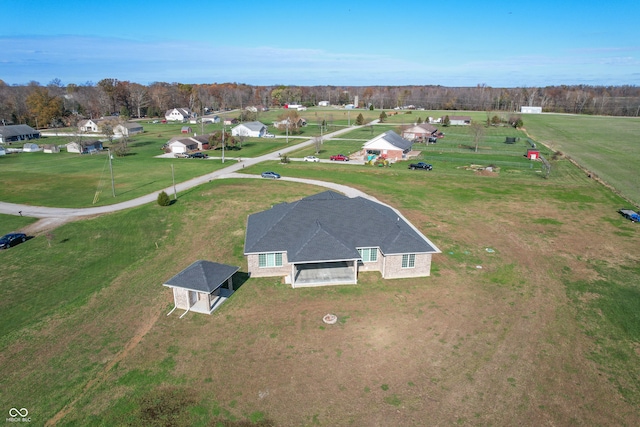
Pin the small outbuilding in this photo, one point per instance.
(30, 147)
(186, 129)
(202, 287)
(51, 148)
(2, 151)
(533, 154)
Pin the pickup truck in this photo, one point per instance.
(420, 165)
(631, 215)
(198, 155)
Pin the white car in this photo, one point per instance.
(311, 159)
(269, 135)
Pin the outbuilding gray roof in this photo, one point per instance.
(202, 276)
(331, 227)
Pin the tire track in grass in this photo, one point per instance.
(100, 376)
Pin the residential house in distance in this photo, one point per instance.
(323, 104)
(421, 132)
(327, 238)
(251, 129)
(128, 129)
(13, 133)
(230, 121)
(292, 124)
(526, 109)
(181, 144)
(88, 125)
(178, 114)
(458, 120)
(388, 145)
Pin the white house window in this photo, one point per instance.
(273, 259)
(408, 260)
(368, 254)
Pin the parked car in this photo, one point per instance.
(12, 239)
(269, 135)
(311, 159)
(180, 155)
(198, 155)
(421, 165)
(340, 158)
(270, 174)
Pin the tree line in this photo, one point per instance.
(56, 104)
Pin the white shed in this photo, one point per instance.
(30, 147)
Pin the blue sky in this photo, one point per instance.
(326, 42)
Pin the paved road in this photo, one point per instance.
(52, 217)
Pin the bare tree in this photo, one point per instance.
(140, 97)
(477, 130)
(317, 143)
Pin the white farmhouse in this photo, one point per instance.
(252, 129)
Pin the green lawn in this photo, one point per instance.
(69, 304)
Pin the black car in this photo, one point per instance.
(198, 155)
(12, 239)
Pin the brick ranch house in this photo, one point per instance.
(327, 238)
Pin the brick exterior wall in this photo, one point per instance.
(393, 267)
(256, 271)
(390, 267)
(372, 266)
(181, 297)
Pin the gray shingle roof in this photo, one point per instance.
(17, 130)
(330, 227)
(202, 276)
(254, 126)
(396, 140)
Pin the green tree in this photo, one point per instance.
(446, 121)
(383, 117)
(360, 120)
(419, 121)
(163, 199)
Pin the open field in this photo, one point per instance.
(606, 146)
(545, 333)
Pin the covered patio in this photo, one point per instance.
(202, 287)
(325, 273)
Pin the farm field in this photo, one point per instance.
(605, 146)
(545, 332)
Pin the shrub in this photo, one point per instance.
(163, 199)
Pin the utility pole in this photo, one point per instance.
(223, 132)
(113, 185)
(173, 177)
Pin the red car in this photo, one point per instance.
(340, 158)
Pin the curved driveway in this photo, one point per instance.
(51, 217)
